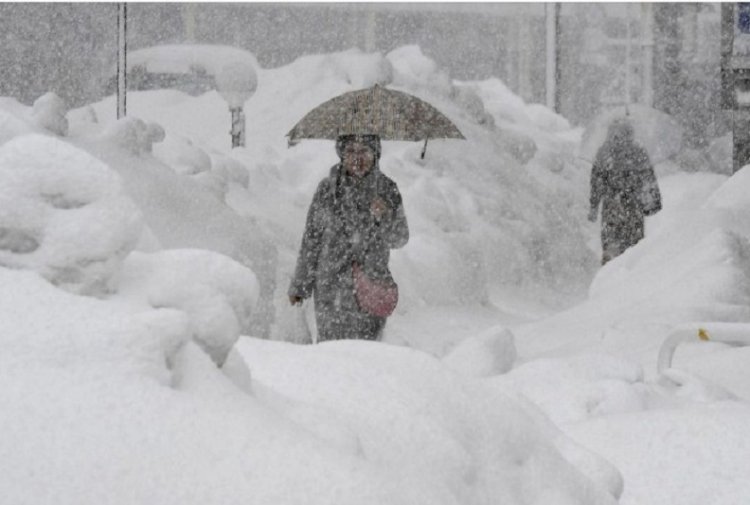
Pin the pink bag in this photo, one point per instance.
(376, 297)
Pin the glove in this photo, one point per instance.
(593, 214)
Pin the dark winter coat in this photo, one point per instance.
(340, 230)
(623, 179)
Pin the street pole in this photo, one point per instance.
(238, 127)
(627, 56)
(370, 32)
(122, 59)
(647, 44)
(550, 16)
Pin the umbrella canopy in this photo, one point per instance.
(656, 131)
(393, 115)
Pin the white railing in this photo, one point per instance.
(727, 333)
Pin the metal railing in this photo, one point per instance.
(727, 333)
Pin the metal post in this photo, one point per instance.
(647, 43)
(370, 32)
(122, 59)
(238, 127)
(558, 59)
(551, 46)
(728, 333)
(627, 55)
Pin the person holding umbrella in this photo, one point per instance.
(623, 180)
(356, 217)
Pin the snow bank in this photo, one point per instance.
(63, 214)
(479, 220)
(134, 135)
(16, 119)
(694, 457)
(104, 405)
(217, 293)
(692, 266)
(575, 389)
(182, 213)
(491, 353)
(187, 58)
(49, 112)
(412, 415)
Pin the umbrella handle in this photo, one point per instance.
(424, 148)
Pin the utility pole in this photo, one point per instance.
(122, 58)
(647, 52)
(552, 23)
(370, 32)
(628, 64)
(188, 20)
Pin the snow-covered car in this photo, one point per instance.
(191, 68)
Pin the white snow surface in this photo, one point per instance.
(515, 369)
(186, 58)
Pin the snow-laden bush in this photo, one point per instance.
(63, 214)
(217, 293)
(49, 112)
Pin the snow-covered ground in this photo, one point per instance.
(136, 255)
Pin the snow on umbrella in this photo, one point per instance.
(393, 115)
(656, 131)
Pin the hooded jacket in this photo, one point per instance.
(339, 231)
(623, 180)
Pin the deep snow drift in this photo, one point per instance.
(136, 253)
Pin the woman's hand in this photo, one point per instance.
(378, 207)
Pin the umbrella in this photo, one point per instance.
(658, 132)
(393, 115)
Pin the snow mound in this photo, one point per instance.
(492, 352)
(49, 113)
(63, 214)
(183, 214)
(574, 389)
(354, 67)
(182, 155)
(134, 135)
(75, 370)
(708, 440)
(217, 293)
(412, 415)
(189, 58)
(231, 170)
(733, 193)
(14, 120)
(412, 69)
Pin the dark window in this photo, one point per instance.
(743, 17)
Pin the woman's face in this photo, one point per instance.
(358, 159)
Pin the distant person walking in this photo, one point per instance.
(356, 217)
(623, 180)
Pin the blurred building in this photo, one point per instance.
(665, 54)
